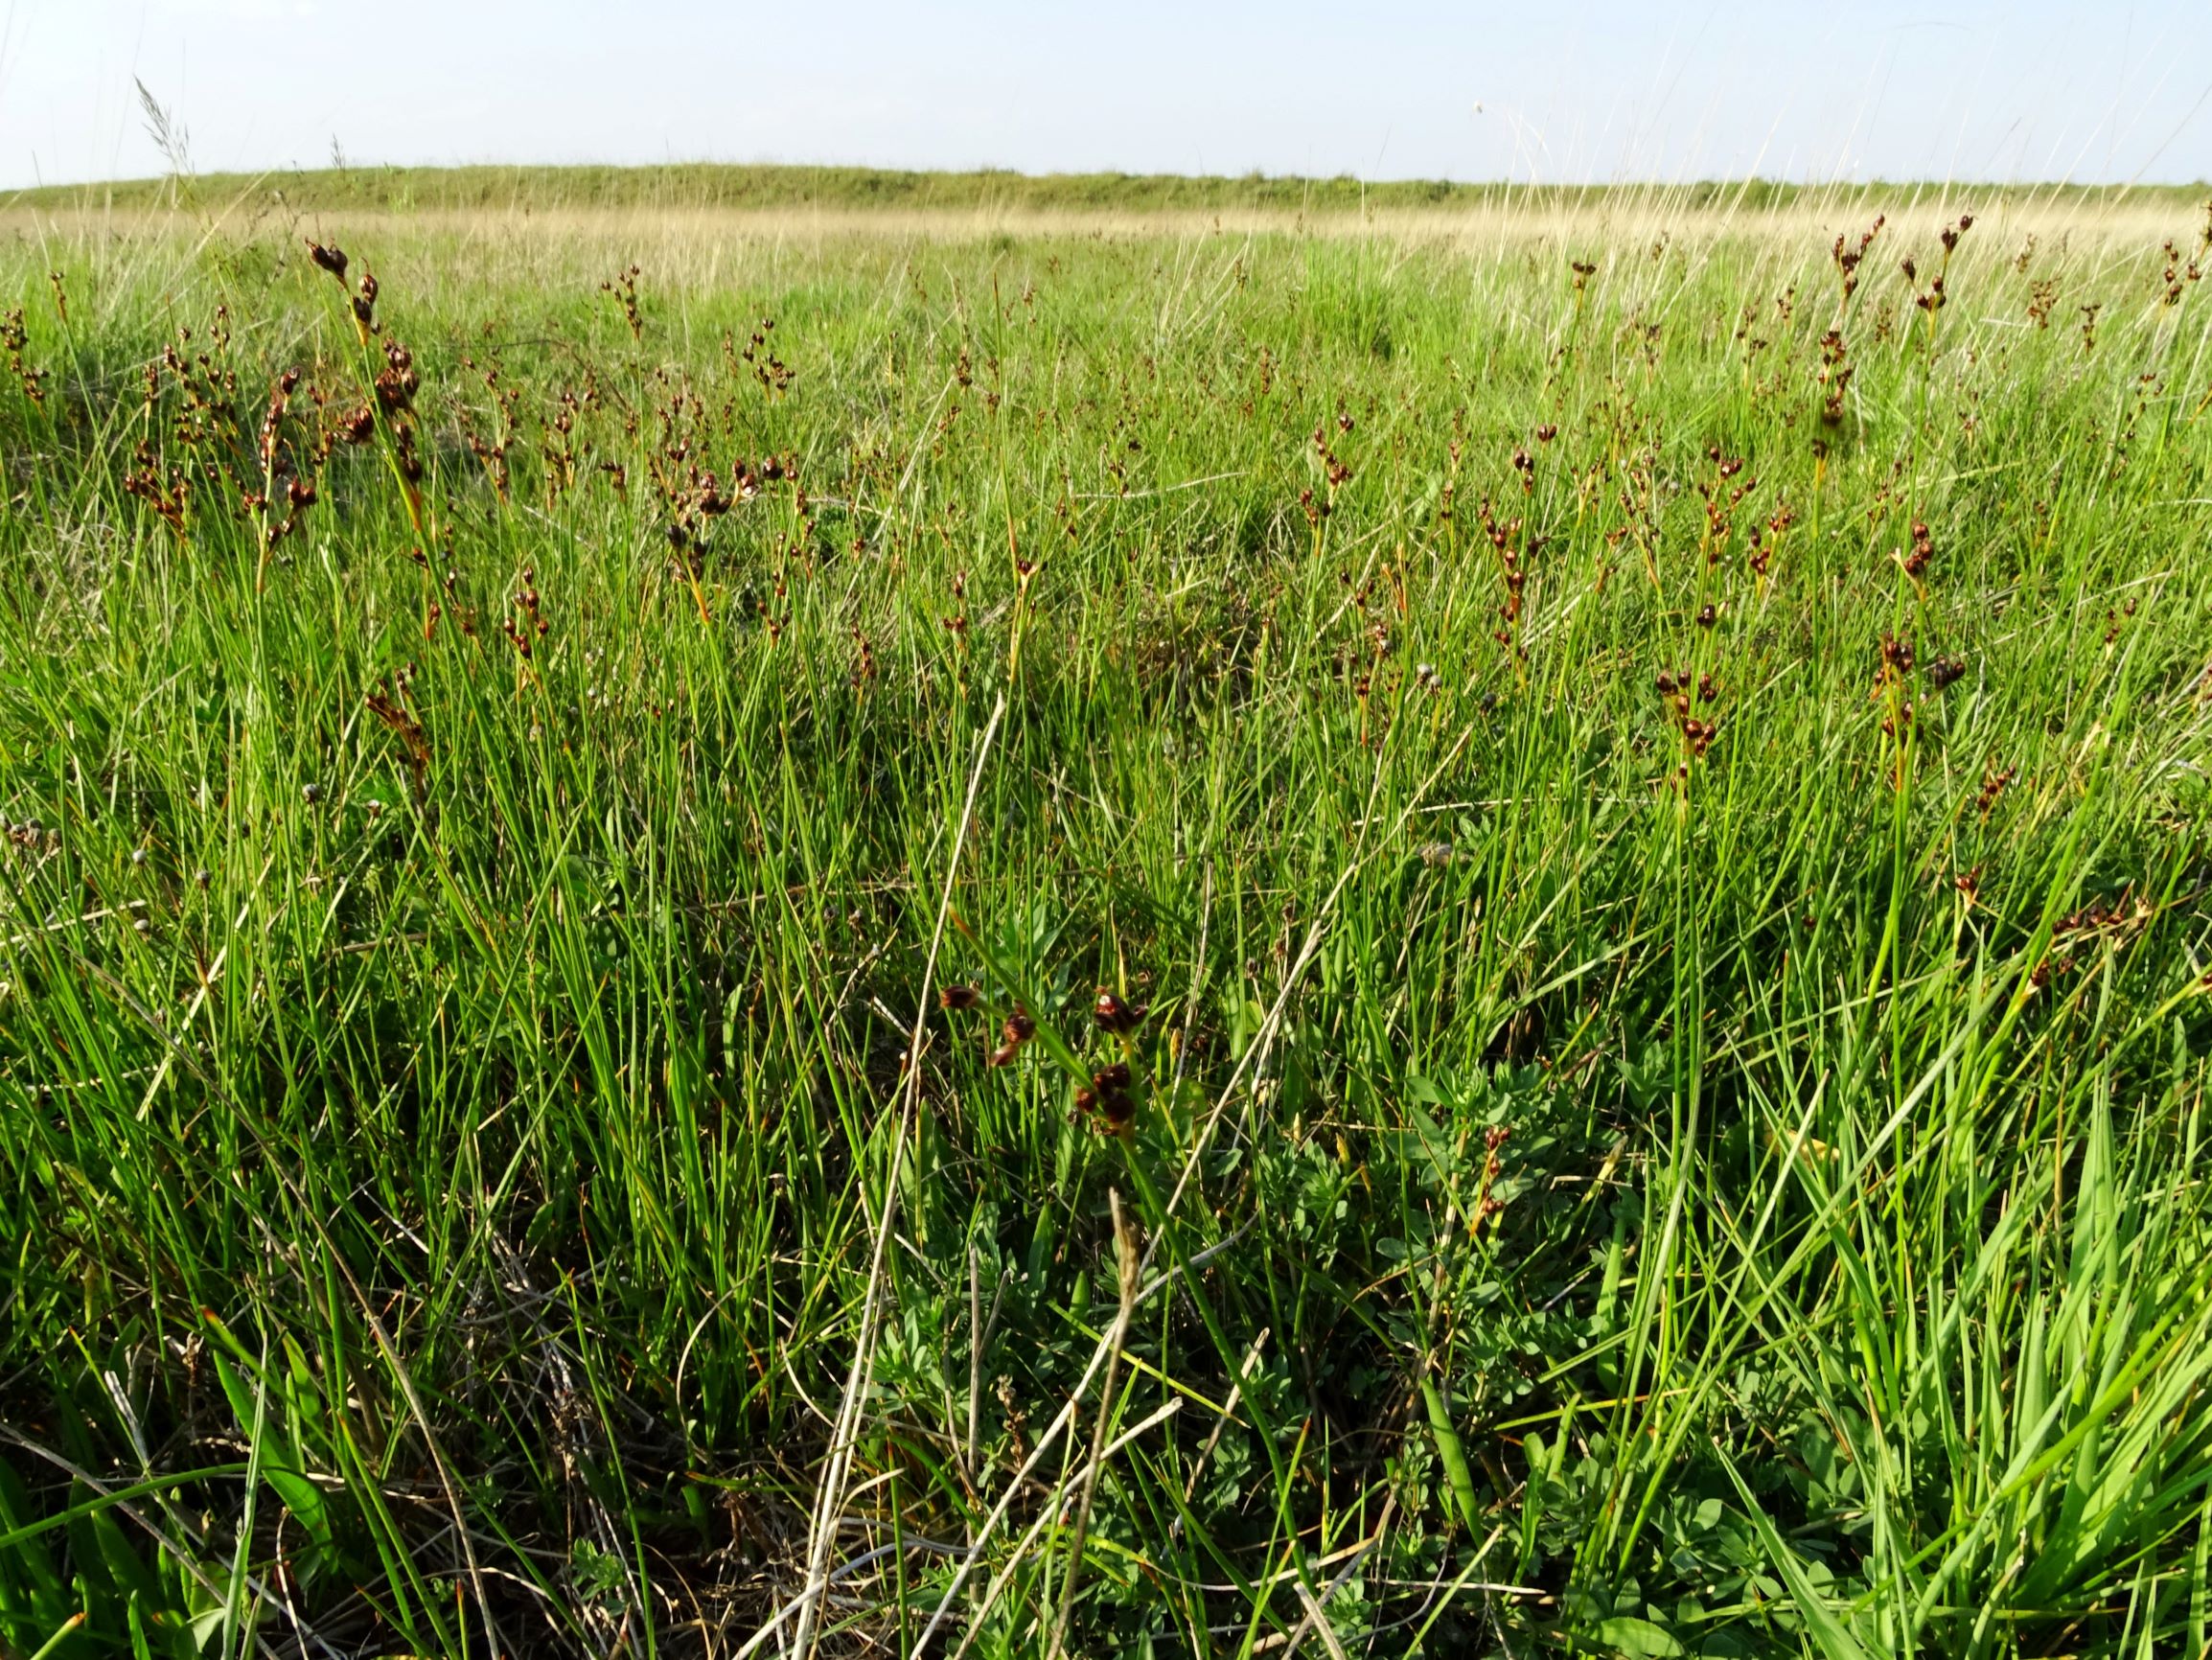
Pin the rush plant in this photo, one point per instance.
(618, 1036)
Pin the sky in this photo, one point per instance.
(1595, 91)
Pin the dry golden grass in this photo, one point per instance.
(1626, 221)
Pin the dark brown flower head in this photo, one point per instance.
(1018, 1030)
(332, 258)
(1116, 1016)
(959, 998)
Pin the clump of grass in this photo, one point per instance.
(615, 1036)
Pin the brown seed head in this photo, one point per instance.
(1116, 1016)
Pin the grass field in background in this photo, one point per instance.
(738, 186)
(974, 930)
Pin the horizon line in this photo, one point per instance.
(360, 172)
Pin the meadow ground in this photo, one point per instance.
(1067, 928)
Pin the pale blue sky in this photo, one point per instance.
(1602, 90)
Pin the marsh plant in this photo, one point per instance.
(1158, 938)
